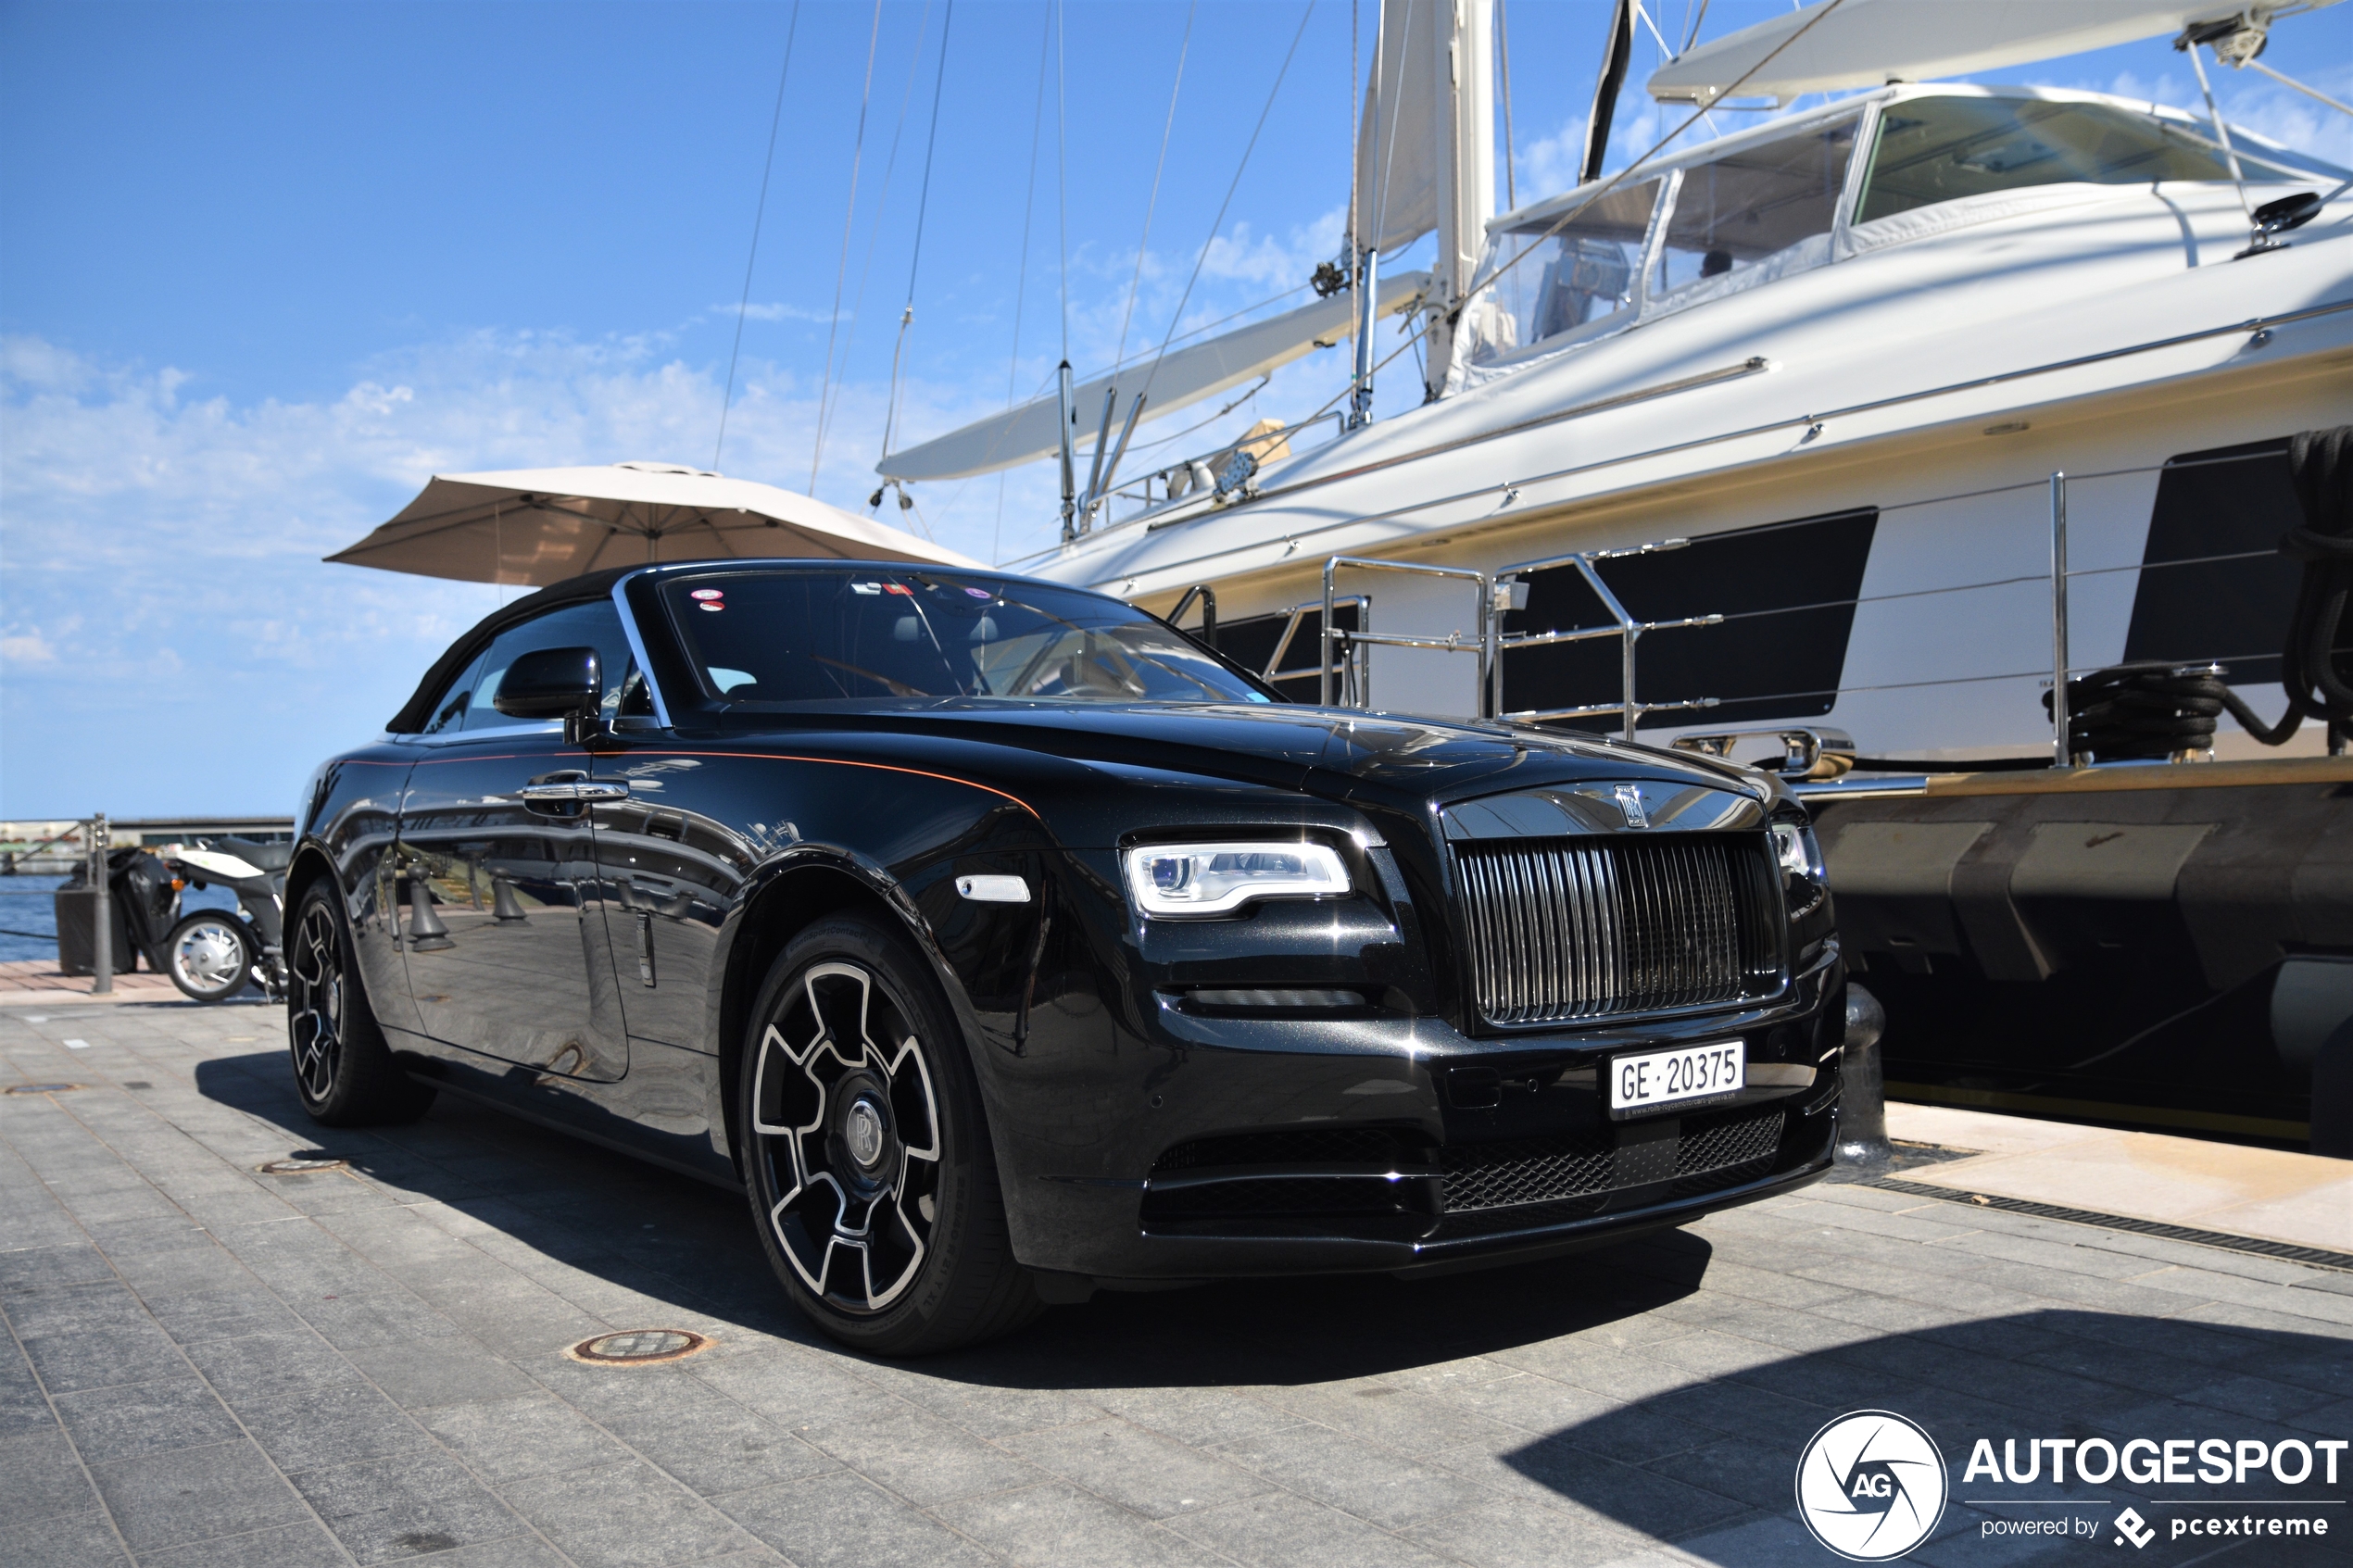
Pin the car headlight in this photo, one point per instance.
(1213, 879)
(1800, 856)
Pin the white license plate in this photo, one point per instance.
(1715, 1071)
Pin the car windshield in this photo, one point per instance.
(1937, 149)
(824, 635)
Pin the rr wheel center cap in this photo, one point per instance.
(863, 1131)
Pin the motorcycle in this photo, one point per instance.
(211, 955)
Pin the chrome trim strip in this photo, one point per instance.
(638, 646)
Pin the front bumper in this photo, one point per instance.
(1192, 1148)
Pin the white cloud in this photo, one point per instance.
(776, 312)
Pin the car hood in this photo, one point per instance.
(1396, 760)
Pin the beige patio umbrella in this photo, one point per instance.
(538, 526)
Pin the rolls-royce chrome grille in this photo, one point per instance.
(1578, 928)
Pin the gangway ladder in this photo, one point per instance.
(1510, 593)
(1359, 641)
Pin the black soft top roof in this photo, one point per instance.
(572, 590)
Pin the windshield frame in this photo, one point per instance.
(654, 595)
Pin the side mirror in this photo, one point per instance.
(565, 683)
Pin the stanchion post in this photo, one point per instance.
(2061, 756)
(101, 912)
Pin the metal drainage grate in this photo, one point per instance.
(2255, 1246)
(638, 1346)
(42, 1088)
(300, 1165)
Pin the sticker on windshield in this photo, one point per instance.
(979, 592)
(899, 588)
(708, 594)
(865, 587)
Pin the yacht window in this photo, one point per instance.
(1740, 209)
(1578, 275)
(1937, 149)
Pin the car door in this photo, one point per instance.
(502, 929)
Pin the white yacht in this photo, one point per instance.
(1813, 380)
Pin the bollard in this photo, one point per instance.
(504, 907)
(102, 913)
(1862, 1138)
(427, 933)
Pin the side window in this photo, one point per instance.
(1580, 276)
(449, 708)
(596, 625)
(1753, 205)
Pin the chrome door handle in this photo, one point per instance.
(574, 790)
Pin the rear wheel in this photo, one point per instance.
(208, 955)
(341, 1065)
(867, 1159)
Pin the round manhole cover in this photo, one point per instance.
(41, 1088)
(298, 1165)
(637, 1346)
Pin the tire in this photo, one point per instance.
(208, 955)
(343, 1068)
(866, 1153)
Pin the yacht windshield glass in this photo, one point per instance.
(1938, 149)
(1581, 276)
(825, 635)
(1752, 206)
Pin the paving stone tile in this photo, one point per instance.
(522, 1434)
(1514, 1533)
(1393, 1417)
(419, 1374)
(141, 1418)
(285, 1545)
(623, 1515)
(63, 1540)
(40, 1477)
(268, 1366)
(405, 1505)
(1138, 1469)
(1373, 1482)
(126, 1352)
(917, 1455)
(1200, 1416)
(333, 1426)
(1282, 1530)
(705, 1440)
(1554, 1472)
(844, 1521)
(185, 1495)
(1059, 1526)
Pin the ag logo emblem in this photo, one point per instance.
(1871, 1486)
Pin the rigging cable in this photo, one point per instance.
(915, 261)
(874, 228)
(849, 211)
(1021, 273)
(1504, 56)
(1137, 282)
(1062, 161)
(759, 211)
(1179, 314)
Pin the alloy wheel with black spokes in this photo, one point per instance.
(315, 1000)
(870, 1175)
(343, 1066)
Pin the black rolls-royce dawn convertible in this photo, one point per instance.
(1004, 943)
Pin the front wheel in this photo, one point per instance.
(210, 955)
(343, 1067)
(867, 1154)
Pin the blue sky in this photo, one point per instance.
(266, 268)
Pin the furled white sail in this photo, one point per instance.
(1185, 376)
(1425, 147)
(1867, 42)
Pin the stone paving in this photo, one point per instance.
(211, 1365)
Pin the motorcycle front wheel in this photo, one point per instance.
(210, 955)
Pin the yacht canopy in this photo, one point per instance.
(1183, 377)
(1870, 43)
